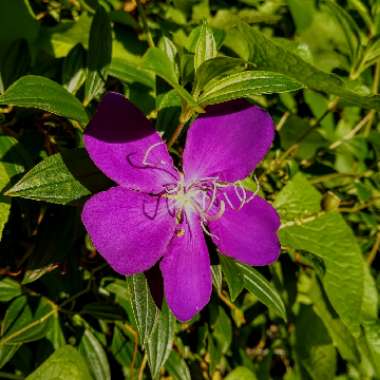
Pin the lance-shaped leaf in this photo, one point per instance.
(39, 92)
(265, 54)
(240, 85)
(205, 47)
(145, 311)
(99, 53)
(157, 61)
(257, 284)
(160, 341)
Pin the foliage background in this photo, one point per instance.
(314, 65)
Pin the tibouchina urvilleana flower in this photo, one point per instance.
(157, 213)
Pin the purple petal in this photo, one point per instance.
(250, 234)
(131, 230)
(186, 272)
(124, 145)
(228, 142)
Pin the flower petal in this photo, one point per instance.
(124, 145)
(131, 230)
(228, 142)
(250, 234)
(186, 271)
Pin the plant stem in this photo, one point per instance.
(145, 24)
(185, 116)
(142, 367)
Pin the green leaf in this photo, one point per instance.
(331, 239)
(372, 334)
(247, 83)
(177, 367)
(130, 73)
(7, 352)
(265, 54)
(168, 47)
(157, 61)
(9, 289)
(258, 285)
(215, 68)
(240, 373)
(74, 69)
(370, 296)
(338, 332)
(16, 21)
(160, 341)
(39, 92)
(99, 53)
(94, 354)
(234, 281)
(26, 319)
(297, 199)
(61, 178)
(205, 48)
(145, 311)
(12, 161)
(349, 27)
(314, 347)
(65, 363)
(54, 333)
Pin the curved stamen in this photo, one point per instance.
(256, 191)
(207, 232)
(149, 150)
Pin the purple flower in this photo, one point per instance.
(158, 213)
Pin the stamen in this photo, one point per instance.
(149, 150)
(207, 232)
(219, 214)
(256, 191)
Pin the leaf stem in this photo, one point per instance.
(184, 118)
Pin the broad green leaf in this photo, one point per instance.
(65, 363)
(215, 68)
(315, 351)
(61, 178)
(247, 83)
(234, 281)
(240, 373)
(338, 332)
(12, 162)
(39, 92)
(160, 341)
(26, 319)
(265, 54)
(74, 69)
(297, 199)
(205, 48)
(177, 367)
(258, 285)
(332, 240)
(9, 289)
(130, 73)
(144, 309)
(94, 354)
(99, 54)
(372, 334)
(157, 61)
